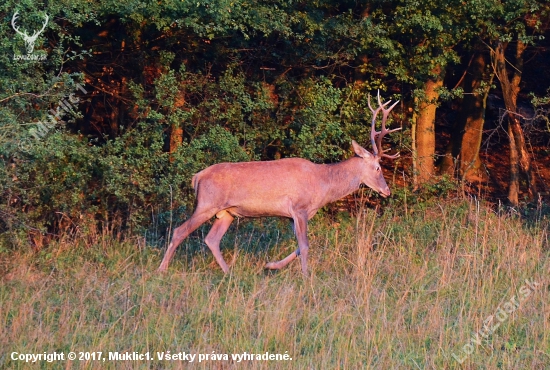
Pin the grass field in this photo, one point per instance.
(447, 285)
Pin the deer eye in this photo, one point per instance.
(377, 168)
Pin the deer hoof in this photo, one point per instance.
(161, 270)
(272, 266)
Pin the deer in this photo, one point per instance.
(294, 188)
(29, 40)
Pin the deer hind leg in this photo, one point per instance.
(182, 232)
(282, 263)
(223, 220)
(300, 229)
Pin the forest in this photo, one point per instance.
(108, 108)
(119, 104)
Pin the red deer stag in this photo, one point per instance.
(291, 187)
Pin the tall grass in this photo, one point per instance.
(406, 289)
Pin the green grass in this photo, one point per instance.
(400, 290)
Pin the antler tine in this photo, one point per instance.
(377, 136)
(373, 128)
(390, 156)
(373, 131)
(384, 131)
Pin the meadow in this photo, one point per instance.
(448, 284)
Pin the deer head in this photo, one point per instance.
(372, 175)
(29, 40)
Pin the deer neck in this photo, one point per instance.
(342, 178)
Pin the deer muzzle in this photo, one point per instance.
(385, 192)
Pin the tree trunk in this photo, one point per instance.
(425, 129)
(510, 89)
(513, 187)
(413, 146)
(468, 130)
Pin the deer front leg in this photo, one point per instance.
(300, 229)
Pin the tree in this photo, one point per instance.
(519, 155)
(463, 149)
(423, 35)
(519, 23)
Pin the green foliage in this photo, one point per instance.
(318, 126)
(53, 181)
(542, 110)
(28, 89)
(63, 180)
(422, 36)
(443, 187)
(130, 168)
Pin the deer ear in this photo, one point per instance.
(360, 151)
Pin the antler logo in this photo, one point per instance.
(29, 40)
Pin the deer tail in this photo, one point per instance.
(195, 182)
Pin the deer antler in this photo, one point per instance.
(376, 136)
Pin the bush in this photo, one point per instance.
(64, 181)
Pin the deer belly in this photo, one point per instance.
(260, 209)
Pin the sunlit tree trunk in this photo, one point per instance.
(518, 151)
(474, 119)
(513, 186)
(425, 128)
